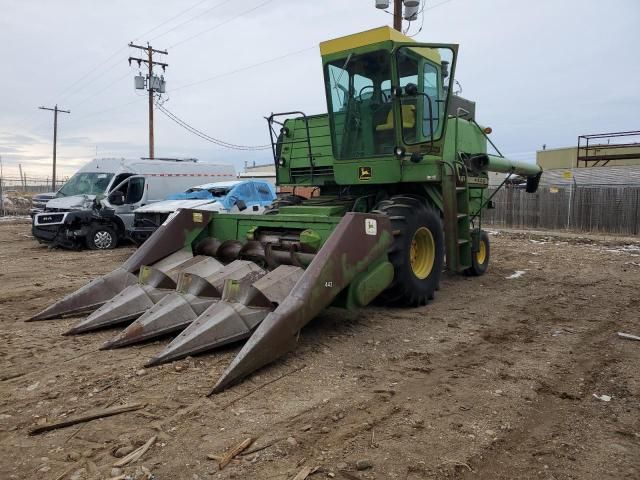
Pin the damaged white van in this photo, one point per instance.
(94, 208)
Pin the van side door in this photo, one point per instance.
(126, 197)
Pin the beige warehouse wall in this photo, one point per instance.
(566, 157)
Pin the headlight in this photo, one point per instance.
(399, 151)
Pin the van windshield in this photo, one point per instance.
(86, 183)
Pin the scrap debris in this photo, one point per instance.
(225, 459)
(305, 472)
(107, 412)
(628, 336)
(136, 454)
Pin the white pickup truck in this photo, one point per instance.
(248, 196)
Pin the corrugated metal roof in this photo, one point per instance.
(628, 175)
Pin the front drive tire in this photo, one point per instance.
(101, 237)
(417, 252)
(480, 259)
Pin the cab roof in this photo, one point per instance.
(362, 39)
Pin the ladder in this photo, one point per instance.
(457, 220)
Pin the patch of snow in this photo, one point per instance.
(604, 398)
(11, 218)
(516, 274)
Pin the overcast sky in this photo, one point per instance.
(541, 72)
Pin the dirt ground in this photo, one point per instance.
(495, 379)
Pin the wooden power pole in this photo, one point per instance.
(150, 83)
(397, 15)
(55, 111)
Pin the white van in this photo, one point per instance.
(95, 206)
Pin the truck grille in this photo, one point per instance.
(43, 219)
(317, 172)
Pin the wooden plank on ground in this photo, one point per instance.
(87, 417)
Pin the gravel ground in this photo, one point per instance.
(495, 379)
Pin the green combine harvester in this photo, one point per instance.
(399, 170)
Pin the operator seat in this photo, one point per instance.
(408, 119)
(384, 131)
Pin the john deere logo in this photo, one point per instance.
(364, 173)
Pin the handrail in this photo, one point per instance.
(274, 137)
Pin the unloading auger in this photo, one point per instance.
(399, 166)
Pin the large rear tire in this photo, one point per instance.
(417, 252)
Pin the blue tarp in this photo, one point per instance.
(197, 195)
(252, 192)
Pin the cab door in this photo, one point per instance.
(126, 197)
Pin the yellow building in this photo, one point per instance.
(567, 158)
(608, 149)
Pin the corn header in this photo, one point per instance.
(399, 170)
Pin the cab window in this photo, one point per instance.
(120, 178)
(358, 88)
(424, 76)
(135, 190)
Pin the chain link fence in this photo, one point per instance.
(16, 192)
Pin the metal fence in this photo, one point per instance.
(16, 192)
(30, 184)
(601, 209)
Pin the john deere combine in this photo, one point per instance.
(399, 167)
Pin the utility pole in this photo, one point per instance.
(152, 83)
(21, 178)
(402, 9)
(55, 111)
(1, 191)
(397, 15)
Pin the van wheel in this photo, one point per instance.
(101, 237)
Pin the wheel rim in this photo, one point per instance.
(102, 239)
(481, 254)
(422, 253)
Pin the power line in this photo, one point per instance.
(425, 8)
(197, 4)
(216, 6)
(102, 89)
(215, 77)
(242, 69)
(91, 72)
(229, 20)
(209, 138)
(117, 63)
(98, 69)
(99, 112)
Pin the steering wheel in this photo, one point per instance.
(385, 97)
(362, 90)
